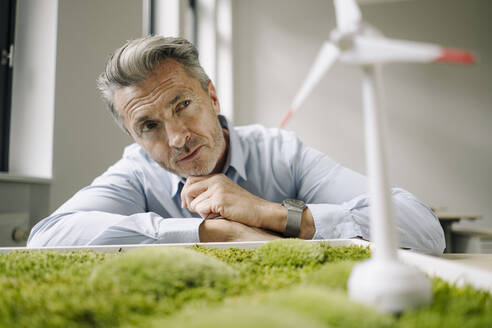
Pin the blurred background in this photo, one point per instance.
(57, 135)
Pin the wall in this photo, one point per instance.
(439, 116)
(86, 139)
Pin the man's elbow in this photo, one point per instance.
(432, 235)
(49, 232)
(439, 242)
(418, 227)
(36, 240)
(41, 238)
(429, 238)
(434, 247)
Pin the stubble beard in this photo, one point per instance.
(200, 167)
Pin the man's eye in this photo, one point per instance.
(183, 105)
(148, 126)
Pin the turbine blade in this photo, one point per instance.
(327, 56)
(348, 15)
(457, 56)
(370, 50)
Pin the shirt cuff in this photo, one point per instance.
(333, 221)
(179, 230)
(149, 228)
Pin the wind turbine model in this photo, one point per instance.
(383, 280)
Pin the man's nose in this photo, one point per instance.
(177, 133)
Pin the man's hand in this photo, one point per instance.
(217, 196)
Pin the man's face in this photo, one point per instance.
(174, 120)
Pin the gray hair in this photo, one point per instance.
(130, 64)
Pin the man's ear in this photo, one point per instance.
(213, 96)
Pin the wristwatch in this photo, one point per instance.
(294, 208)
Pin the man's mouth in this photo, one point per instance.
(191, 155)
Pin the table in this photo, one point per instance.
(481, 261)
(447, 220)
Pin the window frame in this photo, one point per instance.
(7, 36)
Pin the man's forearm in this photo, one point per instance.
(222, 230)
(418, 229)
(102, 228)
(275, 218)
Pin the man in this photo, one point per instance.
(193, 177)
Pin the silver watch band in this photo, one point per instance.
(293, 225)
(295, 208)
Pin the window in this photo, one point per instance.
(206, 23)
(7, 24)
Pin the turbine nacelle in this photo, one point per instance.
(345, 40)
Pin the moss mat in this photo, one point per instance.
(287, 283)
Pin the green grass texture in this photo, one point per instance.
(285, 283)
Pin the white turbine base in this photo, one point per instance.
(390, 286)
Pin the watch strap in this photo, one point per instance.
(295, 208)
(293, 225)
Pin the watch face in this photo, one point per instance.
(295, 202)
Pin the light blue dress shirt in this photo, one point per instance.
(136, 201)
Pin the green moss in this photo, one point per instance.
(161, 279)
(330, 307)
(161, 272)
(80, 289)
(48, 289)
(228, 255)
(452, 307)
(284, 283)
(332, 275)
(320, 307)
(42, 265)
(289, 253)
(337, 254)
(238, 316)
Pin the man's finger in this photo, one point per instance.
(204, 209)
(198, 199)
(191, 191)
(192, 178)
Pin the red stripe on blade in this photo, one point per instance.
(287, 117)
(456, 56)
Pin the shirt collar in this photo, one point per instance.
(235, 157)
(175, 181)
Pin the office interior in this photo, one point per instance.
(257, 52)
